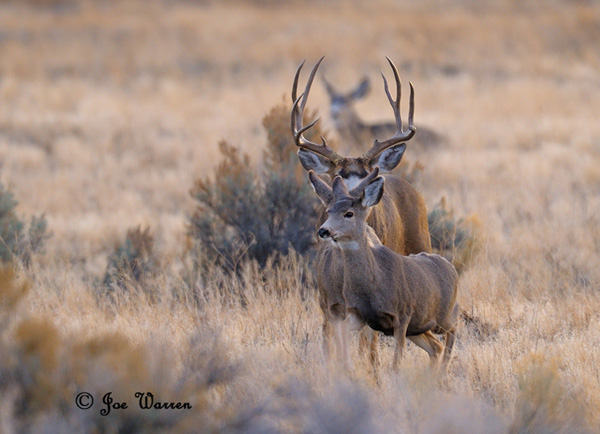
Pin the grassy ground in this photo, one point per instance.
(109, 111)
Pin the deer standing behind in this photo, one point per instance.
(405, 296)
(354, 132)
(399, 220)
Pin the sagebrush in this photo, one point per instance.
(133, 261)
(18, 240)
(458, 240)
(248, 212)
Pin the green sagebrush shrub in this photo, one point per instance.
(133, 261)
(18, 240)
(249, 212)
(455, 239)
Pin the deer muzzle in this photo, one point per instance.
(324, 233)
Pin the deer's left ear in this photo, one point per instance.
(389, 159)
(373, 193)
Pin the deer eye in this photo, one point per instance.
(349, 214)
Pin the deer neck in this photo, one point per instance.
(360, 264)
(348, 120)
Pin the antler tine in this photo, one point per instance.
(357, 191)
(298, 115)
(298, 112)
(296, 77)
(411, 110)
(395, 104)
(400, 135)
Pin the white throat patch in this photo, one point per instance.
(352, 181)
(349, 245)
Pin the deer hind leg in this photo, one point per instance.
(450, 337)
(430, 344)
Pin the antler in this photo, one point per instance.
(357, 191)
(298, 115)
(400, 135)
(340, 190)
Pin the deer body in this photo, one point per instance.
(404, 296)
(424, 289)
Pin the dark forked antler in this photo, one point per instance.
(400, 135)
(358, 190)
(298, 116)
(340, 190)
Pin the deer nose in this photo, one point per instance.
(324, 233)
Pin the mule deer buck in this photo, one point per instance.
(405, 296)
(399, 220)
(353, 131)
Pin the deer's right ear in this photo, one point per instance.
(312, 161)
(320, 187)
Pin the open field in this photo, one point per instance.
(110, 111)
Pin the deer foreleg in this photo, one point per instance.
(352, 323)
(400, 326)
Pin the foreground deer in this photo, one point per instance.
(404, 296)
(353, 131)
(400, 218)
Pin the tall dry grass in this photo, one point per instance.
(110, 111)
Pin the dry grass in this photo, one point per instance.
(111, 110)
